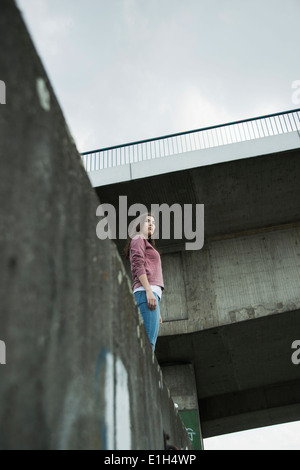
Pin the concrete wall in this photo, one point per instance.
(79, 372)
(180, 380)
(233, 279)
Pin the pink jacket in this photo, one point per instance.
(144, 259)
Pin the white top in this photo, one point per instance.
(156, 289)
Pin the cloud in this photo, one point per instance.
(195, 110)
(126, 70)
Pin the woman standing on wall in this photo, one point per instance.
(147, 275)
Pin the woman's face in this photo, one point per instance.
(149, 226)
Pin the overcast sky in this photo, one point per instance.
(126, 70)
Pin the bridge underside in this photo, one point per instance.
(240, 195)
(245, 377)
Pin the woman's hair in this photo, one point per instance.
(142, 218)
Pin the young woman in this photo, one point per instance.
(147, 275)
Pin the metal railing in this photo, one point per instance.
(198, 139)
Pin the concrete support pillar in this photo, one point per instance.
(180, 379)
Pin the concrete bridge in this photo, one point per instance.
(70, 377)
(231, 309)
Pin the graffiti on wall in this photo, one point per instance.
(112, 392)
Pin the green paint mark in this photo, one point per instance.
(190, 420)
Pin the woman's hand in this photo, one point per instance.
(151, 299)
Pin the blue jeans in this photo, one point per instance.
(151, 317)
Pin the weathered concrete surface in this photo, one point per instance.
(79, 373)
(180, 380)
(245, 377)
(242, 316)
(234, 279)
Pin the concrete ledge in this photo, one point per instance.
(79, 372)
